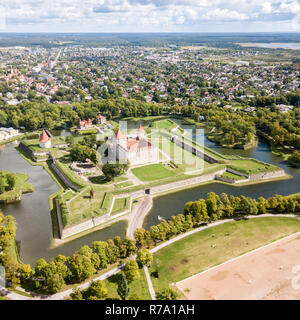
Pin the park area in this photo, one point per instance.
(264, 274)
(138, 288)
(213, 246)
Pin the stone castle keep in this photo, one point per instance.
(137, 150)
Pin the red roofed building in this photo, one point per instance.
(101, 119)
(84, 124)
(137, 150)
(45, 140)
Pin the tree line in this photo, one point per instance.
(88, 260)
(213, 208)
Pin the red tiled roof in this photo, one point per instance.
(44, 137)
(134, 144)
(119, 135)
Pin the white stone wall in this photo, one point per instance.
(267, 175)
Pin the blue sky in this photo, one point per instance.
(149, 15)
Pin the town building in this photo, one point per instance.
(84, 124)
(100, 119)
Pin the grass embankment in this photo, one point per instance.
(120, 204)
(164, 124)
(21, 186)
(12, 139)
(215, 245)
(138, 287)
(232, 176)
(251, 166)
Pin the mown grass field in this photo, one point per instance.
(83, 207)
(152, 172)
(215, 245)
(138, 287)
(120, 205)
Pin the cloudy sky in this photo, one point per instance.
(149, 15)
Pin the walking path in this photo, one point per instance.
(150, 286)
(64, 294)
(133, 178)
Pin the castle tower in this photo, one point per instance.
(141, 132)
(121, 139)
(45, 140)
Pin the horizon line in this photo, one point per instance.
(147, 32)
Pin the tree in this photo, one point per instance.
(112, 170)
(134, 296)
(96, 291)
(211, 203)
(144, 257)
(294, 159)
(70, 139)
(123, 289)
(55, 283)
(167, 294)
(2, 184)
(25, 272)
(10, 181)
(81, 267)
(80, 153)
(131, 271)
(141, 236)
(40, 268)
(76, 294)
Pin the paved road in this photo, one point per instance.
(138, 214)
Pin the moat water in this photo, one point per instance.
(34, 227)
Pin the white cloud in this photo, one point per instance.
(266, 8)
(87, 14)
(224, 14)
(290, 7)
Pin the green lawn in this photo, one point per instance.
(215, 245)
(232, 176)
(250, 166)
(152, 172)
(164, 124)
(120, 204)
(138, 287)
(185, 160)
(82, 207)
(22, 186)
